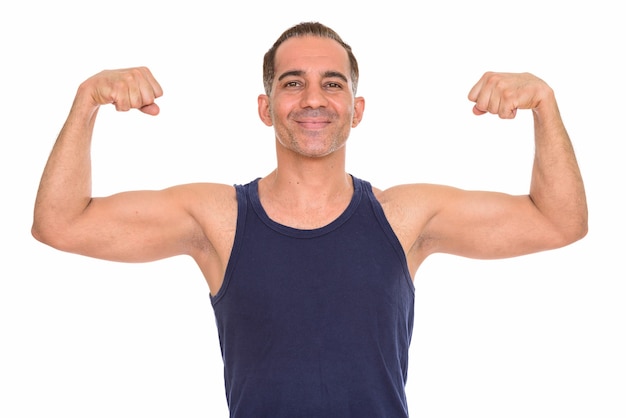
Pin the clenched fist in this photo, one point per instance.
(503, 93)
(130, 88)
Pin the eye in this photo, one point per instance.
(333, 85)
(292, 84)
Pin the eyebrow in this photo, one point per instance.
(326, 74)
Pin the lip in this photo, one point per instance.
(313, 124)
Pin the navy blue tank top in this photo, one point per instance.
(315, 323)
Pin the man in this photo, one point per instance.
(310, 269)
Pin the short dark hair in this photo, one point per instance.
(301, 30)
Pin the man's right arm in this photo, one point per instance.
(131, 226)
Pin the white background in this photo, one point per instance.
(542, 335)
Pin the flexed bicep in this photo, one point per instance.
(488, 225)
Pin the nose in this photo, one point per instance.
(313, 96)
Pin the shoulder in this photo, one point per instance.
(415, 205)
(405, 202)
(409, 208)
(212, 207)
(206, 200)
(415, 197)
(195, 195)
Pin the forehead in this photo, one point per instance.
(311, 53)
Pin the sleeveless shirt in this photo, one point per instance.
(315, 323)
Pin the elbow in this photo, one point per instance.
(53, 227)
(584, 227)
(576, 235)
(38, 231)
(42, 233)
(49, 234)
(580, 227)
(581, 231)
(574, 231)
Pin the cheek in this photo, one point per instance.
(278, 111)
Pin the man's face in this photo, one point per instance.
(312, 106)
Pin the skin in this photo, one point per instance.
(312, 109)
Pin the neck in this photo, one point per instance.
(303, 179)
(307, 193)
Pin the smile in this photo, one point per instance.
(313, 124)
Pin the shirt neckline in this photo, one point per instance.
(253, 196)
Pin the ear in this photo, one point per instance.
(264, 109)
(359, 107)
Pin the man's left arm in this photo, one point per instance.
(557, 188)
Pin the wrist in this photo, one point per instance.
(84, 103)
(546, 107)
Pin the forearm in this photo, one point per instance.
(65, 187)
(557, 187)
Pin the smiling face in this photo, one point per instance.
(312, 105)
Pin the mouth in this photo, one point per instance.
(313, 124)
(313, 119)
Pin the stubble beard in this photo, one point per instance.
(311, 143)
